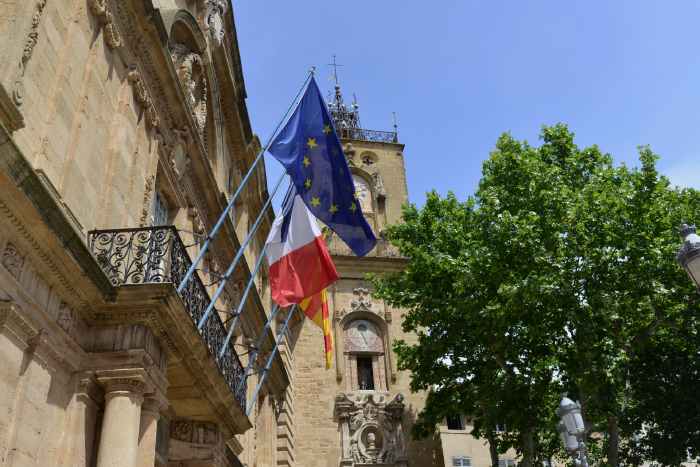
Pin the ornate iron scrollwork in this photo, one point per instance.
(368, 135)
(156, 255)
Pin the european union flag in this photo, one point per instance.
(310, 151)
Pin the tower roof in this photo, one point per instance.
(347, 117)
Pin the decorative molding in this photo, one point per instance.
(214, 19)
(371, 429)
(11, 319)
(190, 431)
(89, 390)
(379, 185)
(12, 260)
(192, 75)
(349, 152)
(361, 303)
(147, 197)
(34, 340)
(48, 263)
(142, 96)
(66, 318)
(104, 16)
(29, 45)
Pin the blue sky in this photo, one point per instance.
(459, 73)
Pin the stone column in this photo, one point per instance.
(119, 440)
(150, 414)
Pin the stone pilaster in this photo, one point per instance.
(83, 423)
(119, 440)
(150, 414)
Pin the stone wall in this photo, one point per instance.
(99, 113)
(380, 166)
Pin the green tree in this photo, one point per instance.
(557, 275)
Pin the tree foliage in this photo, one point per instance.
(558, 275)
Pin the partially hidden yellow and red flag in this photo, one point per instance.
(316, 309)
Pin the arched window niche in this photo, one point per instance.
(363, 354)
(188, 51)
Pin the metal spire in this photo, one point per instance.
(346, 117)
(335, 66)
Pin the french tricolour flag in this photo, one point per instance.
(300, 265)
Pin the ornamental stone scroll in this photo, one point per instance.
(191, 73)
(214, 19)
(371, 429)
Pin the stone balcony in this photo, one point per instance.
(157, 255)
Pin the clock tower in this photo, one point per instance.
(360, 412)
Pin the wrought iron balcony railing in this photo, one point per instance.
(157, 255)
(361, 134)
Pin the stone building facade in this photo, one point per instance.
(124, 133)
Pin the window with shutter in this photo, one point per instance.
(461, 461)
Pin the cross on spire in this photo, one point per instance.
(335, 66)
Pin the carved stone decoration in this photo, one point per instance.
(349, 152)
(13, 260)
(142, 96)
(147, 194)
(378, 185)
(371, 429)
(214, 19)
(363, 336)
(101, 11)
(198, 227)
(362, 300)
(190, 71)
(190, 431)
(363, 193)
(29, 45)
(65, 319)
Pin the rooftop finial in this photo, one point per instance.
(335, 66)
(396, 126)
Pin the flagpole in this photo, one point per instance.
(256, 350)
(239, 309)
(239, 255)
(270, 359)
(222, 217)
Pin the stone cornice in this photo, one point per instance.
(358, 142)
(161, 309)
(352, 267)
(29, 336)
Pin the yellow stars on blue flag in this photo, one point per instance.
(311, 153)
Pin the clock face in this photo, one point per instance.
(363, 336)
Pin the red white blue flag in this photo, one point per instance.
(300, 265)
